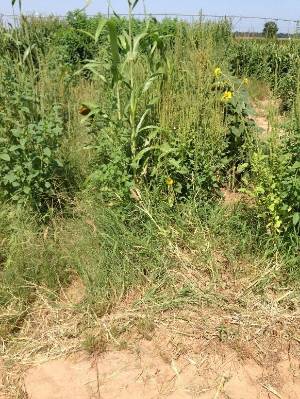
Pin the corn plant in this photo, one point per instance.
(134, 97)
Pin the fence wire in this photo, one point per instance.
(240, 23)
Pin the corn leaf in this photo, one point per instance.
(136, 43)
(123, 39)
(92, 68)
(141, 121)
(113, 37)
(150, 127)
(101, 25)
(150, 81)
(27, 52)
(136, 160)
(86, 33)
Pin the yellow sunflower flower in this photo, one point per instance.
(227, 96)
(169, 181)
(218, 72)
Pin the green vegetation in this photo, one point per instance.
(118, 139)
(271, 61)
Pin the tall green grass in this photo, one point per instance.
(128, 195)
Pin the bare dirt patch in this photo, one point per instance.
(267, 117)
(261, 117)
(202, 371)
(231, 197)
(198, 353)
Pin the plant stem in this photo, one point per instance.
(132, 102)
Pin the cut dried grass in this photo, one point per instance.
(187, 304)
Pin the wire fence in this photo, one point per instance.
(240, 23)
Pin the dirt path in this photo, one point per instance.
(249, 352)
(208, 372)
(261, 117)
(267, 117)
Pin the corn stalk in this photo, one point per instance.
(122, 79)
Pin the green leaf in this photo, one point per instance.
(139, 156)
(86, 33)
(27, 52)
(92, 67)
(5, 157)
(296, 165)
(123, 41)
(165, 148)
(136, 43)
(153, 48)
(16, 133)
(133, 101)
(141, 121)
(150, 127)
(149, 82)
(114, 48)
(59, 163)
(101, 25)
(11, 177)
(47, 152)
(241, 168)
(237, 131)
(154, 101)
(296, 218)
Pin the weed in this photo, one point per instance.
(95, 343)
(145, 327)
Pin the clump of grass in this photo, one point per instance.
(95, 343)
(145, 328)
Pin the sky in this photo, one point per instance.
(288, 9)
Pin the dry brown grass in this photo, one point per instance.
(257, 324)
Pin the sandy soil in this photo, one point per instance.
(211, 372)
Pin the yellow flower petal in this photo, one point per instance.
(169, 181)
(218, 72)
(227, 96)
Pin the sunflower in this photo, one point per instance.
(227, 96)
(218, 72)
(169, 181)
